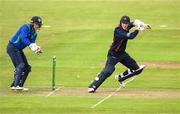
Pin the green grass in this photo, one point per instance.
(80, 35)
(66, 105)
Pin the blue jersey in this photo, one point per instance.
(121, 37)
(24, 36)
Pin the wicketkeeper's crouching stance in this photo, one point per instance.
(25, 36)
(117, 53)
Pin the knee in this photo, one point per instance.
(26, 70)
(21, 66)
(107, 71)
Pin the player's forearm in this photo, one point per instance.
(132, 35)
(131, 25)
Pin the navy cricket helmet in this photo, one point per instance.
(37, 20)
(125, 20)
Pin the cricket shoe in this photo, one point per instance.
(141, 67)
(16, 88)
(119, 78)
(91, 90)
(12, 88)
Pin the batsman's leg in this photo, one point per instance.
(105, 73)
(133, 68)
(130, 73)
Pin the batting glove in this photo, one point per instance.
(140, 28)
(136, 22)
(141, 24)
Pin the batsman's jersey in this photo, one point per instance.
(24, 37)
(120, 40)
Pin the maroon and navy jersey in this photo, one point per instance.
(120, 40)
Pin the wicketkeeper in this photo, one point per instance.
(118, 54)
(25, 36)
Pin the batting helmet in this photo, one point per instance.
(125, 20)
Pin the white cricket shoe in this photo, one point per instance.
(91, 90)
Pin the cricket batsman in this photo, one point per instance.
(117, 53)
(25, 36)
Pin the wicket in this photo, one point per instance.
(53, 72)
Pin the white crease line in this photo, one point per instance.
(110, 95)
(52, 92)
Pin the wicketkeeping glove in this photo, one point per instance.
(35, 48)
(38, 51)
